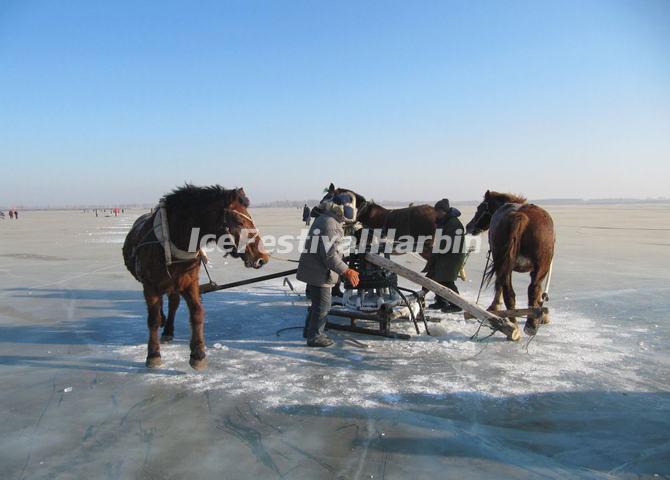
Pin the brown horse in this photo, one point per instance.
(416, 222)
(521, 239)
(191, 213)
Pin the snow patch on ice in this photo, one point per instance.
(572, 353)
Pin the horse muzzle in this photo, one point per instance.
(254, 263)
(472, 230)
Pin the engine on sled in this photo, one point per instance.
(376, 299)
(376, 286)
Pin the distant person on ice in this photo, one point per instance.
(322, 264)
(306, 215)
(444, 267)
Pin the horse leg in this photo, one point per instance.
(198, 358)
(495, 304)
(544, 317)
(163, 317)
(168, 329)
(509, 296)
(153, 322)
(500, 288)
(537, 277)
(504, 285)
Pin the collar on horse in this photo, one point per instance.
(161, 230)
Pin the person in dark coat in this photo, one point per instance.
(321, 265)
(306, 217)
(444, 267)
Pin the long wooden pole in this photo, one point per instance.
(504, 325)
(536, 312)
(213, 287)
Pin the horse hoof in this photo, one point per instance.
(544, 319)
(198, 364)
(530, 330)
(166, 338)
(153, 362)
(515, 336)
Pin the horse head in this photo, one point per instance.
(492, 201)
(357, 201)
(241, 226)
(332, 191)
(482, 218)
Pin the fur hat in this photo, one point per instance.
(348, 204)
(443, 205)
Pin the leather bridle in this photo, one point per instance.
(233, 252)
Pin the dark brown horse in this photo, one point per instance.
(521, 239)
(192, 213)
(418, 222)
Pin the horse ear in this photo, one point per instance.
(487, 194)
(241, 192)
(331, 188)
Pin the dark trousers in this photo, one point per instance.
(317, 313)
(451, 286)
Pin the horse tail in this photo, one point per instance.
(504, 259)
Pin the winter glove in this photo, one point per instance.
(352, 275)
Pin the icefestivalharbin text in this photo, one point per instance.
(372, 241)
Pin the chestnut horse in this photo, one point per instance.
(521, 239)
(416, 222)
(192, 213)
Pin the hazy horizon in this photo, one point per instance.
(387, 202)
(118, 103)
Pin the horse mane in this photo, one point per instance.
(507, 197)
(190, 195)
(371, 204)
(360, 199)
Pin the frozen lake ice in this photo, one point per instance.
(588, 397)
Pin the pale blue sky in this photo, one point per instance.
(118, 101)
